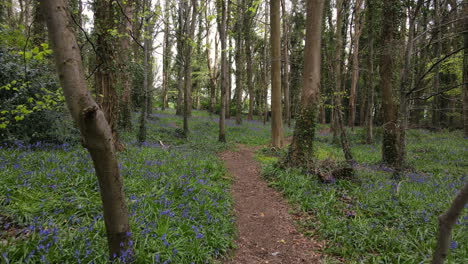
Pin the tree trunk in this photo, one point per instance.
(247, 26)
(286, 75)
(387, 64)
(188, 65)
(141, 137)
(301, 150)
(370, 91)
(239, 63)
(405, 86)
(125, 30)
(265, 65)
(180, 60)
(167, 46)
(446, 222)
(222, 34)
(355, 71)
(229, 63)
(436, 104)
(275, 38)
(337, 96)
(95, 130)
(105, 78)
(465, 69)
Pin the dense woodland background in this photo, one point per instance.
(365, 72)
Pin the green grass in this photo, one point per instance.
(179, 200)
(368, 220)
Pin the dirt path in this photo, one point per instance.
(266, 230)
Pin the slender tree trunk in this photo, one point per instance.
(167, 46)
(286, 75)
(125, 52)
(355, 70)
(436, 104)
(95, 130)
(370, 92)
(180, 59)
(229, 63)
(222, 34)
(387, 68)
(337, 97)
(301, 150)
(275, 38)
(446, 222)
(266, 63)
(188, 66)
(248, 56)
(465, 68)
(141, 137)
(239, 62)
(405, 86)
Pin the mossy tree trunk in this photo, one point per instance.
(387, 82)
(301, 150)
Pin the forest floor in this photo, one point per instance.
(266, 233)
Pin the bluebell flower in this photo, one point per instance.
(453, 245)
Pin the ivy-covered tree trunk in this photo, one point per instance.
(105, 79)
(95, 130)
(387, 83)
(301, 150)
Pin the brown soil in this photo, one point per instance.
(266, 230)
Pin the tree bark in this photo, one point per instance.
(105, 79)
(286, 75)
(95, 130)
(405, 86)
(188, 65)
(125, 52)
(239, 62)
(222, 34)
(146, 70)
(436, 111)
(465, 68)
(301, 150)
(276, 116)
(337, 96)
(265, 65)
(446, 222)
(387, 68)
(355, 70)
(370, 76)
(167, 46)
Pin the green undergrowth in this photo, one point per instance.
(375, 219)
(177, 195)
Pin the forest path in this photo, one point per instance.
(266, 233)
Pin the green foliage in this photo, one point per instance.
(376, 219)
(31, 100)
